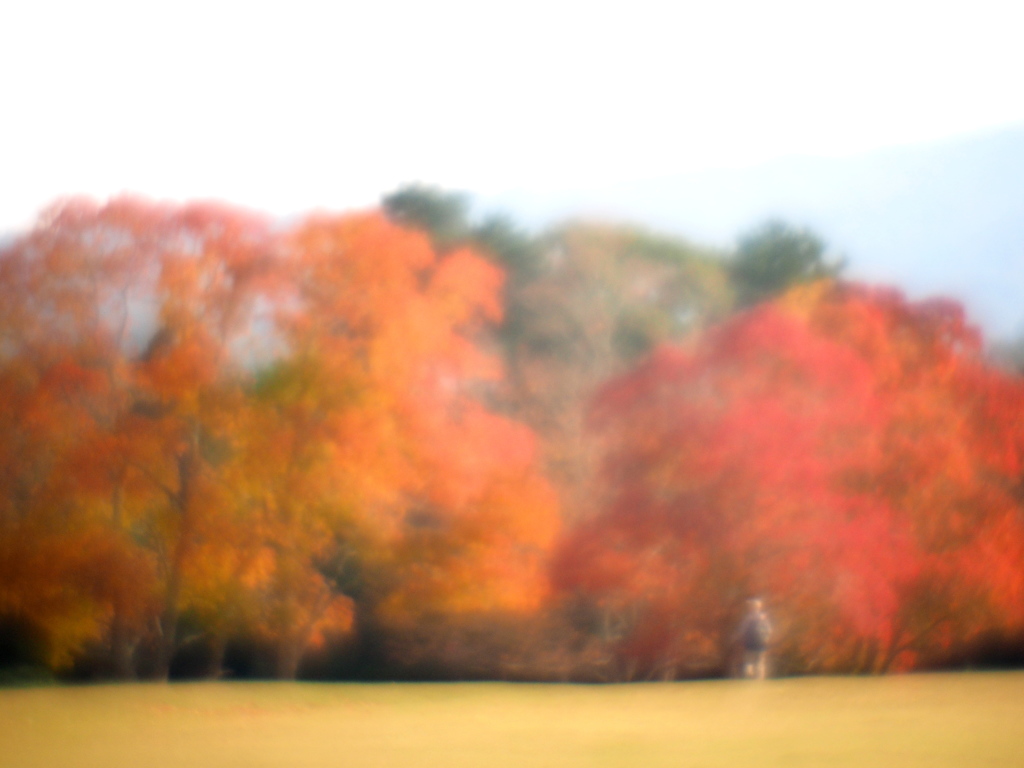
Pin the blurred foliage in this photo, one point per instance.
(605, 296)
(776, 255)
(445, 216)
(421, 443)
(842, 451)
(250, 456)
(442, 214)
(1009, 354)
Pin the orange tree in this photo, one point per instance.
(380, 405)
(125, 315)
(259, 429)
(73, 572)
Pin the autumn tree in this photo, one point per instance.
(444, 494)
(606, 296)
(71, 291)
(837, 453)
(722, 468)
(132, 315)
(212, 261)
(583, 301)
(950, 461)
(255, 430)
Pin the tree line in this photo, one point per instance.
(404, 443)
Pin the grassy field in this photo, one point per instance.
(913, 720)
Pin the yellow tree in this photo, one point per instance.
(213, 276)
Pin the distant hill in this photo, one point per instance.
(945, 218)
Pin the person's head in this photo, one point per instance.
(755, 604)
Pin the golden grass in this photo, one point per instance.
(914, 720)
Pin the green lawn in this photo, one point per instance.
(914, 720)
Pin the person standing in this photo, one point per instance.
(754, 633)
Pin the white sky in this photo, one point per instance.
(295, 106)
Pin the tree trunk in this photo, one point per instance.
(168, 628)
(218, 649)
(182, 501)
(122, 666)
(289, 654)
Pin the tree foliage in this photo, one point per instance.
(445, 217)
(774, 256)
(214, 414)
(845, 453)
(607, 295)
(417, 444)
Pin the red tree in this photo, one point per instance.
(786, 454)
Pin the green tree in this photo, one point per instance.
(776, 255)
(513, 247)
(443, 215)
